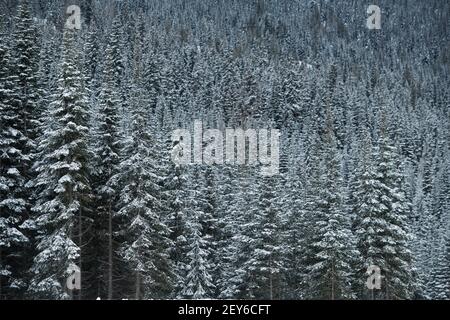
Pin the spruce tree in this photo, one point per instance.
(19, 121)
(62, 183)
(399, 282)
(107, 157)
(13, 205)
(367, 208)
(330, 272)
(147, 237)
(198, 280)
(383, 222)
(265, 263)
(145, 234)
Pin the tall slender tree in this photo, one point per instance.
(19, 131)
(62, 183)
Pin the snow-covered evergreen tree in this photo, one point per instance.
(107, 156)
(19, 130)
(197, 283)
(146, 236)
(265, 264)
(330, 272)
(12, 204)
(398, 281)
(294, 223)
(367, 208)
(62, 182)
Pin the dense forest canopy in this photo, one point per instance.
(87, 181)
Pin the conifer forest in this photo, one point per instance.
(347, 198)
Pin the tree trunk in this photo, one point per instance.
(110, 257)
(80, 239)
(1, 277)
(332, 281)
(72, 237)
(138, 286)
(271, 279)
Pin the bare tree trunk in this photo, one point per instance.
(71, 234)
(138, 286)
(0, 277)
(332, 281)
(387, 288)
(80, 239)
(110, 257)
(271, 279)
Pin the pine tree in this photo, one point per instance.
(107, 154)
(398, 273)
(332, 252)
(121, 74)
(62, 183)
(422, 226)
(198, 280)
(152, 78)
(367, 208)
(265, 264)
(213, 225)
(12, 205)
(19, 130)
(92, 66)
(26, 93)
(439, 284)
(174, 200)
(228, 90)
(383, 218)
(146, 236)
(293, 210)
(230, 217)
